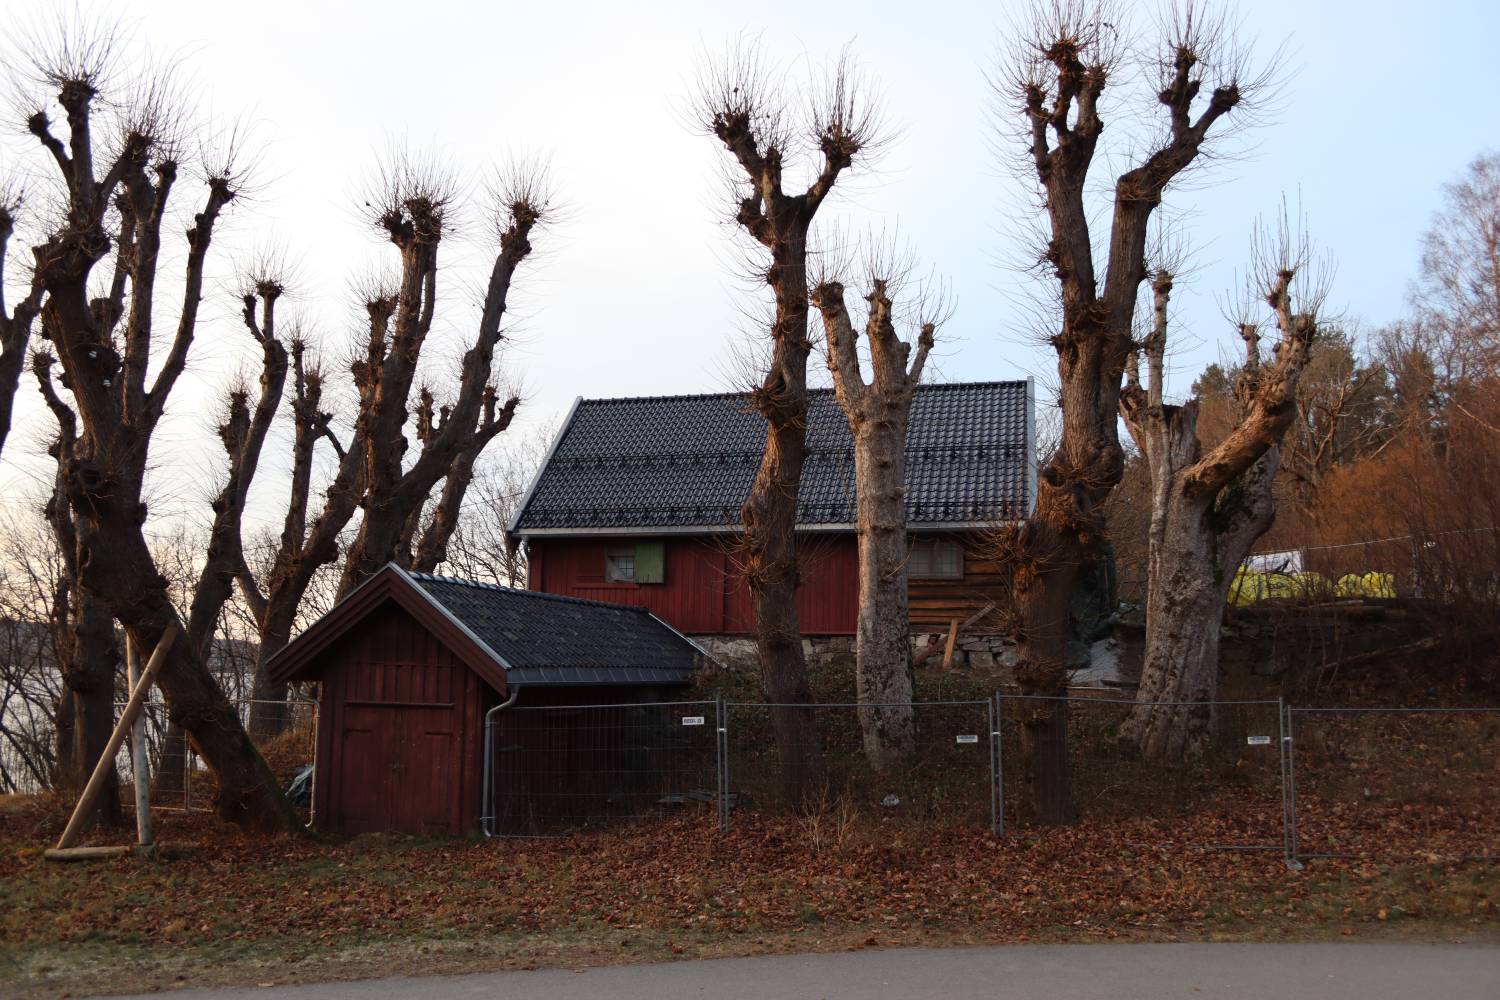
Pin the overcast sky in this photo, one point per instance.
(634, 291)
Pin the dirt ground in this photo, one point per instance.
(221, 908)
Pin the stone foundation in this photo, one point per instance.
(987, 653)
(970, 651)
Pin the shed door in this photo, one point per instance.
(400, 769)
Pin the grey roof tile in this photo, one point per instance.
(673, 461)
(550, 640)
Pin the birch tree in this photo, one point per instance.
(879, 411)
(1207, 509)
(1064, 67)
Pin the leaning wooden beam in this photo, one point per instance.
(927, 652)
(107, 758)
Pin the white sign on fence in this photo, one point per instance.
(967, 738)
(692, 720)
(1258, 741)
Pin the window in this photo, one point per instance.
(643, 562)
(936, 559)
(619, 565)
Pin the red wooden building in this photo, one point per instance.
(412, 669)
(638, 503)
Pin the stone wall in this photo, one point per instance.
(980, 652)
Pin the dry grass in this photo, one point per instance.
(221, 908)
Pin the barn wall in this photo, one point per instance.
(701, 593)
(400, 737)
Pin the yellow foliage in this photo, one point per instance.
(1250, 586)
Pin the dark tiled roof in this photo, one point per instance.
(545, 639)
(666, 461)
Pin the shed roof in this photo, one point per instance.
(510, 636)
(681, 462)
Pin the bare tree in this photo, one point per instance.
(879, 412)
(33, 694)
(480, 548)
(1057, 79)
(411, 209)
(15, 322)
(740, 107)
(1207, 510)
(83, 634)
(119, 167)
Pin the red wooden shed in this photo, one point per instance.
(409, 665)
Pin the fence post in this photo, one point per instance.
(1282, 741)
(1291, 788)
(721, 751)
(997, 763)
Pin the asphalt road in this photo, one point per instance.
(1056, 972)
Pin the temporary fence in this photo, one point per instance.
(180, 781)
(558, 767)
(1421, 782)
(1238, 776)
(1306, 782)
(936, 760)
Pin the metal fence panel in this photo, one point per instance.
(947, 778)
(180, 780)
(559, 768)
(1231, 797)
(1395, 782)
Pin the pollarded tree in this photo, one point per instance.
(118, 169)
(15, 322)
(374, 472)
(878, 412)
(1058, 79)
(741, 107)
(1207, 510)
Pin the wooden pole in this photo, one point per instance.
(138, 758)
(127, 719)
(952, 638)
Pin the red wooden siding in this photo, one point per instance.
(400, 731)
(702, 594)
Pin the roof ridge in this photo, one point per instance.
(818, 390)
(522, 592)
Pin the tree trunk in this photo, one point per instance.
(770, 517)
(269, 713)
(1043, 615)
(1206, 513)
(86, 711)
(120, 570)
(883, 676)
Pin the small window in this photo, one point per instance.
(643, 562)
(619, 565)
(936, 559)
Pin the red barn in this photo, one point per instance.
(412, 670)
(638, 502)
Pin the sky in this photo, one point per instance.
(636, 287)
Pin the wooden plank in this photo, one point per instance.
(107, 758)
(952, 639)
(86, 853)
